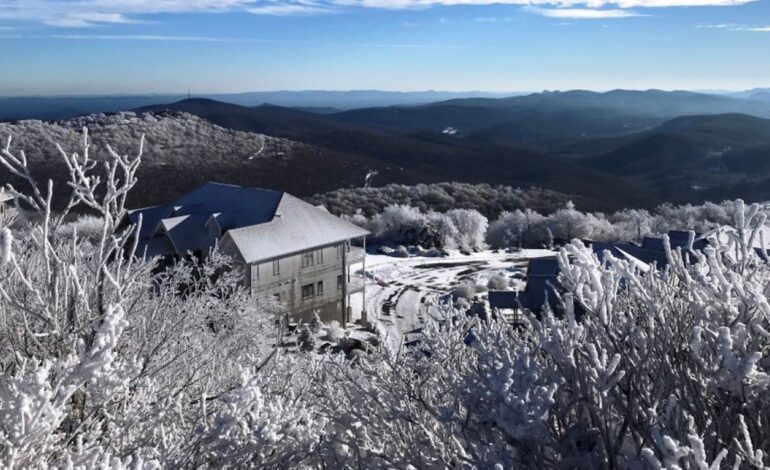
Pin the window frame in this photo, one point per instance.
(309, 289)
(308, 259)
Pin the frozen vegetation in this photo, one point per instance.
(468, 229)
(107, 361)
(490, 200)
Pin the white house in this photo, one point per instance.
(298, 253)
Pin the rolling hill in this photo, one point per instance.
(183, 151)
(613, 149)
(435, 156)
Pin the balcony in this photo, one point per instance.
(355, 255)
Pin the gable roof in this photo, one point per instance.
(296, 227)
(260, 223)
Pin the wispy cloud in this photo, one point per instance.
(289, 9)
(583, 13)
(164, 38)
(144, 37)
(736, 27)
(84, 13)
(719, 26)
(493, 19)
(757, 29)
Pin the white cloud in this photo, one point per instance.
(160, 38)
(754, 29)
(583, 13)
(718, 26)
(493, 19)
(289, 9)
(735, 27)
(83, 13)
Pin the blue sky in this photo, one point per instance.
(157, 46)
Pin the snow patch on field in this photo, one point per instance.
(401, 293)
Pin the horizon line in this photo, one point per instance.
(375, 90)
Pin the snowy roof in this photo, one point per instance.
(297, 226)
(261, 223)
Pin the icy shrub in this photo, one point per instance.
(306, 338)
(497, 282)
(315, 325)
(86, 226)
(464, 290)
(334, 331)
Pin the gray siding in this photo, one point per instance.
(292, 277)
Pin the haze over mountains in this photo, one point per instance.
(65, 107)
(614, 149)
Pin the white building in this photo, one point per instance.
(298, 253)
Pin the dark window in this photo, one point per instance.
(255, 272)
(276, 268)
(320, 256)
(308, 291)
(319, 289)
(339, 282)
(339, 251)
(307, 259)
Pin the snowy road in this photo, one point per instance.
(401, 291)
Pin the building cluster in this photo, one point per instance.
(542, 286)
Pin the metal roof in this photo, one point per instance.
(297, 226)
(261, 223)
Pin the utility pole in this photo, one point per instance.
(344, 283)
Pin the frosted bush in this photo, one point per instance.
(315, 325)
(464, 290)
(497, 282)
(334, 331)
(103, 364)
(86, 226)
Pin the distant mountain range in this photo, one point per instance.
(66, 107)
(614, 149)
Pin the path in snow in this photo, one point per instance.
(400, 290)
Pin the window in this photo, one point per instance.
(277, 297)
(320, 256)
(307, 259)
(308, 291)
(255, 272)
(276, 267)
(319, 289)
(339, 282)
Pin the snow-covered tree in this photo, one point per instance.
(108, 361)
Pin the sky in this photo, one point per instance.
(65, 47)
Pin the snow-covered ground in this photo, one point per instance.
(401, 293)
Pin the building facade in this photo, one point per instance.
(320, 279)
(290, 250)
